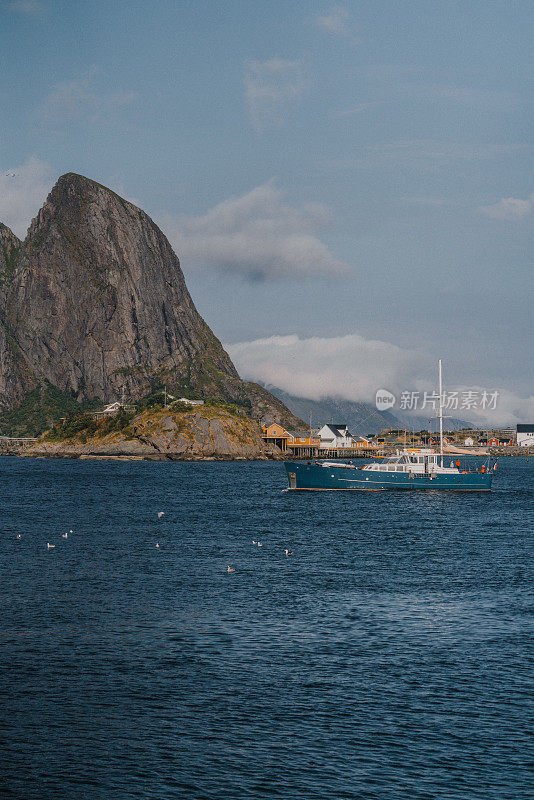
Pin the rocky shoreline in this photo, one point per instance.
(161, 435)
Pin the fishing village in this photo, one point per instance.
(336, 441)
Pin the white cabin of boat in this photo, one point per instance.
(420, 460)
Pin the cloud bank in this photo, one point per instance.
(354, 368)
(22, 192)
(509, 208)
(346, 366)
(258, 236)
(271, 89)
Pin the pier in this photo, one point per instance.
(303, 444)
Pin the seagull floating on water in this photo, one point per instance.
(260, 544)
(18, 536)
(229, 568)
(288, 552)
(49, 546)
(65, 535)
(157, 545)
(161, 514)
(254, 541)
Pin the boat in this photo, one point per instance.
(408, 469)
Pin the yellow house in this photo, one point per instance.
(275, 434)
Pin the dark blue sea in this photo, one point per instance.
(391, 656)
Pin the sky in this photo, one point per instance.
(349, 186)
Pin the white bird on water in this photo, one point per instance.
(161, 514)
(254, 541)
(260, 544)
(18, 536)
(288, 552)
(65, 535)
(157, 545)
(229, 568)
(49, 546)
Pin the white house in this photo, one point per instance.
(190, 402)
(469, 442)
(525, 435)
(335, 436)
(112, 409)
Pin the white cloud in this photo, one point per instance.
(79, 100)
(30, 8)
(346, 366)
(258, 236)
(23, 190)
(353, 368)
(271, 89)
(336, 23)
(509, 208)
(510, 409)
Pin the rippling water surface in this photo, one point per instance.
(388, 657)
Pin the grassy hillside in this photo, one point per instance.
(41, 409)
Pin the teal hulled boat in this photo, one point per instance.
(409, 469)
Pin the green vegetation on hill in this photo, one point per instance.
(49, 409)
(84, 426)
(40, 409)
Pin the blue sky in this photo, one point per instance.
(324, 171)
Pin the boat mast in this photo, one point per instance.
(440, 413)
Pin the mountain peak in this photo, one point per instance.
(73, 189)
(9, 250)
(95, 302)
(7, 237)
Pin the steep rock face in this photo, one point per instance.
(9, 252)
(15, 377)
(9, 249)
(94, 299)
(99, 300)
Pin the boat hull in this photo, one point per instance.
(314, 477)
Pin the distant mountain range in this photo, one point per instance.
(361, 418)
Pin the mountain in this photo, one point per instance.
(361, 418)
(94, 300)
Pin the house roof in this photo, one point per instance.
(338, 430)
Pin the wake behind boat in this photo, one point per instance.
(409, 469)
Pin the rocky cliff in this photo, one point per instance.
(94, 300)
(15, 375)
(209, 432)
